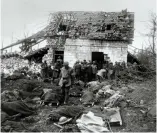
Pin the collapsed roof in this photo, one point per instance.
(37, 53)
(109, 26)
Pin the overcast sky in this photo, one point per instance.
(29, 16)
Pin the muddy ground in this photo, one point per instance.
(134, 120)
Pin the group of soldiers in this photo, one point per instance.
(84, 71)
(47, 71)
(89, 71)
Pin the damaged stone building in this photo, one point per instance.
(78, 35)
(93, 36)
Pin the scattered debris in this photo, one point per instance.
(91, 123)
(115, 117)
(110, 102)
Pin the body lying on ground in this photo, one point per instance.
(17, 107)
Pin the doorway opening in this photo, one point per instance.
(99, 58)
(57, 54)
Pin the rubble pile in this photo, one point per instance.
(35, 68)
(15, 64)
(48, 57)
(9, 65)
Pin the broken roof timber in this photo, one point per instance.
(38, 35)
(38, 51)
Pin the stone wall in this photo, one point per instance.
(80, 49)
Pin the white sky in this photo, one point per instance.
(29, 16)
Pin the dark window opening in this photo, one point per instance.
(59, 54)
(62, 28)
(108, 27)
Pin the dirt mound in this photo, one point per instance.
(143, 91)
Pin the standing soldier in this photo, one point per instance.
(44, 70)
(85, 73)
(89, 71)
(50, 72)
(60, 60)
(105, 66)
(65, 81)
(77, 70)
(117, 69)
(94, 70)
(123, 65)
(81, 63)
(110, 71)
(56, 70)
